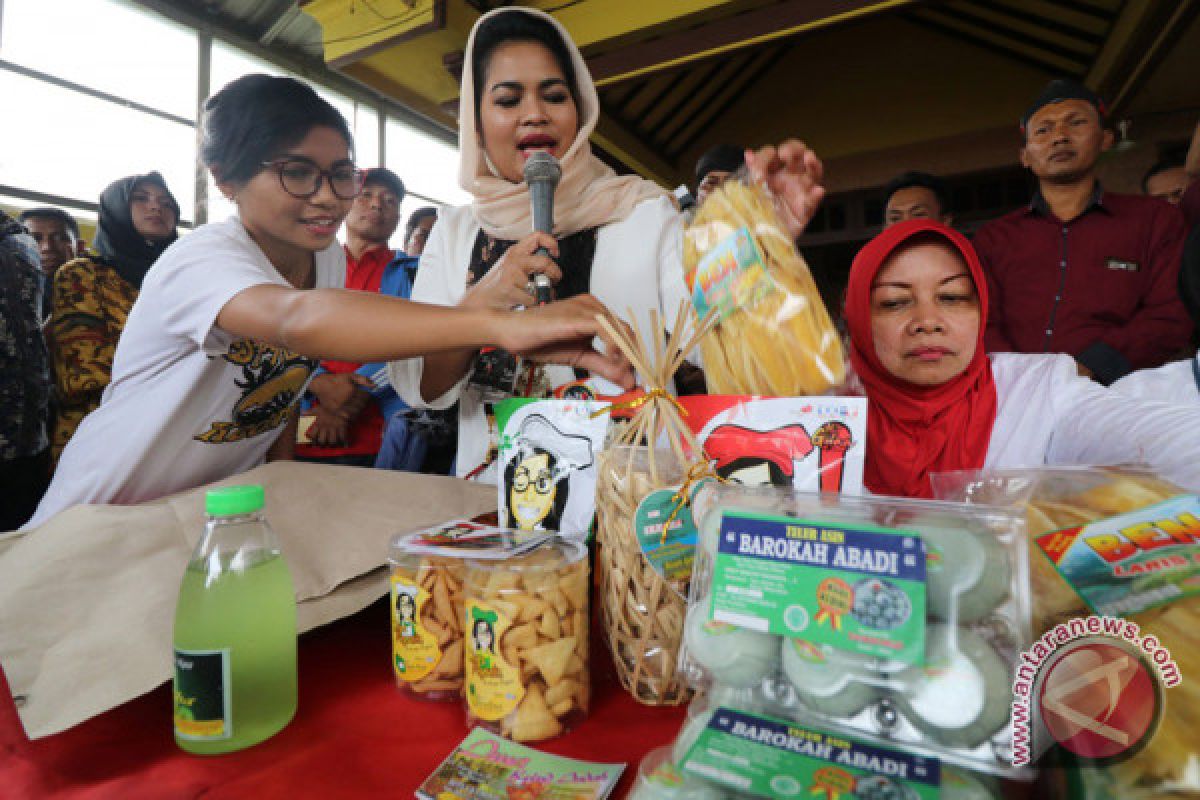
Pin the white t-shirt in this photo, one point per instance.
(1047, 414)
(1173, 383)
(188, 403)
(638, 267)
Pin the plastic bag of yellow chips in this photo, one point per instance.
(774, 335)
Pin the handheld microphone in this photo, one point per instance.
(541, 174)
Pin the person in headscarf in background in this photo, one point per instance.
(916, 309)
(94, 294)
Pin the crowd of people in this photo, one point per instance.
(144, 363)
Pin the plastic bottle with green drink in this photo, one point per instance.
(235, 630)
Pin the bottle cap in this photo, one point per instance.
(233, 500)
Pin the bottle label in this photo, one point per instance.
(203, 697)
(493, 685)
(415, 651)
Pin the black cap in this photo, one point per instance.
(723, 157)
(1063, 89)
(383, 176)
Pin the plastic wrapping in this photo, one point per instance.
(547, 457)
(895, 621)
(527, 669)
(641, 609)
(774, 336)
(642, 525)
(872, 780)
(427, 620)
(1149, 574)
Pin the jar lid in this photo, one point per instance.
(233, 501)
(551, 555)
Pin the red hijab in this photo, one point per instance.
(913, 431)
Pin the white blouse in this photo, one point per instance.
(1176, 382)
(1048, 414)
(638, 267)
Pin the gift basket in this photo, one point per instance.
(644, 550)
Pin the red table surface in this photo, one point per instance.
(354, 734)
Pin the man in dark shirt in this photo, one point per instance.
(24, 378)
(1080, 270)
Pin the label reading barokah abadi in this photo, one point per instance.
(775, 758)
(731, 276)
(1132, 562)
(203, 700)
(858, 588)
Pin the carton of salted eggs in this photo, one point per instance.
(893, 623)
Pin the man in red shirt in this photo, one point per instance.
(348, 415)
(1079, 270)
(1190, 203)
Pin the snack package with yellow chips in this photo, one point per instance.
(526, 646)
(774, 336)
(1123, 545)
(427, 603)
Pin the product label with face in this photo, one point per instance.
(547, 458)
(493, 685)
(807, 443)
(415, 651)
(270, 379)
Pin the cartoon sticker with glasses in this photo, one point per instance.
(548, 456)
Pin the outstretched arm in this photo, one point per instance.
(361, 326)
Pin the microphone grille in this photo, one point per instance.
(542, 166)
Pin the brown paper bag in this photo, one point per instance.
(87, 600)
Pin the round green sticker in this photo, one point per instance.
(666, 532)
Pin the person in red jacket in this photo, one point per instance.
(350, 411)
(1080, 270)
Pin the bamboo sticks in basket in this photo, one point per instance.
(641, 612)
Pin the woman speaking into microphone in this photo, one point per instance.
(525, 89)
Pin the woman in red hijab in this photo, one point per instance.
(916, 308)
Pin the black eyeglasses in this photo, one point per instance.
(300, 177)
(542, 484)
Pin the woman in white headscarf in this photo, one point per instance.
(526, 88)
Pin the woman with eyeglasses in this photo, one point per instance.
(526, 88)
(92, 295)
(232, 319)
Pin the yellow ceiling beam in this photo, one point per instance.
(856, 11)
(352, 26)
(632, 152)
(594, 21)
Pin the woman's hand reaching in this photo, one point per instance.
(564, 333)
(793, 173)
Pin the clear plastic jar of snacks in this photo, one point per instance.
(427, 622)
(526, 642)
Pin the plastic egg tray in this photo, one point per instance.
(952, 703)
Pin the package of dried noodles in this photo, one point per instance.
(1121, 545)
(774, 335)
